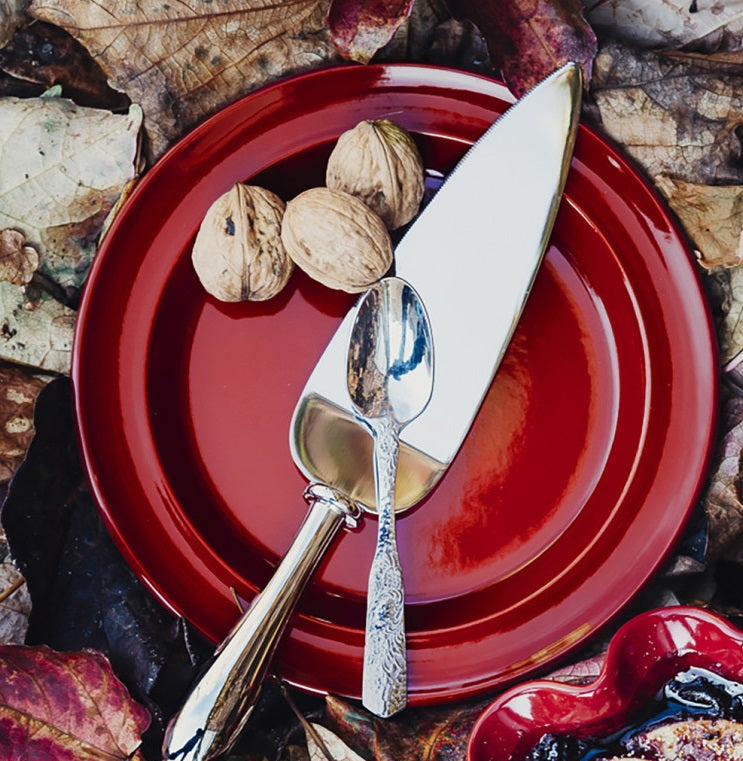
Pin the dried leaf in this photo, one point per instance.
(18, 262)
(84, 595)
(337, 749)
(360, 29)
(677, 115)
(15, 605)
(181, 62)
(581, 672)
(436, 734)
(11, 16)
(64, 166)
(730, 329)
(528, 39)
(40, 336)
(669, 23)
(723, 501)
(65, 705)
(47, 55)
(18, 392)
(712, 216)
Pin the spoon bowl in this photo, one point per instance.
(390, 360)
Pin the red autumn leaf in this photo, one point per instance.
(529, 39)
(361, 27)
(65, 707)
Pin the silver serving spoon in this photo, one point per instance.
(390, 379)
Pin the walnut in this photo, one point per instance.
(378, 162)
(238, 254)
(336, 239)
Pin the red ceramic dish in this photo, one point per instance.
(643, 655)
(571, 487)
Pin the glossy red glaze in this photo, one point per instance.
(588, 452)
(643, 655)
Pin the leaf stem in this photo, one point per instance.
(17, 584)
(308, 728)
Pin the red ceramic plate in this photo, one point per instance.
(569, 490)
(643, 655)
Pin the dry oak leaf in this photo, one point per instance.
(676, 114)
(183, 61)
(38, 335)
(65, 706)
(18, 262)
(705, 24)
(18, 392)
(712, 216)
(63, 167)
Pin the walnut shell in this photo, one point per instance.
(378, 162)
(336, 239)
(238, 254)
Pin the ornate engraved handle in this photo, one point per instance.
(385, 678)
(221, 702)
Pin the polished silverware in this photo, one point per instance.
(390, 380)
(472, 255)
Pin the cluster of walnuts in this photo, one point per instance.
(250, 240)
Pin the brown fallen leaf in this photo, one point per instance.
(65, 706)
(11, 17)
(669, 23)
(712, 216)
(37, 334)
(723, 501)
(528, 39)
(18, 262)
(435, 734)
(46, 55)
(63, 167)
(19, 389)
(182, 62)
(676, 114)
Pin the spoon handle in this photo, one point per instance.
(385, 677)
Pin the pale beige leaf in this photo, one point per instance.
(40, 337)
(338, 750)
(668, 23)
(12, 14)
(19, 389)
(63, 167)
(676, 114)
(18, 262)
(181, 61)
(712, 216)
